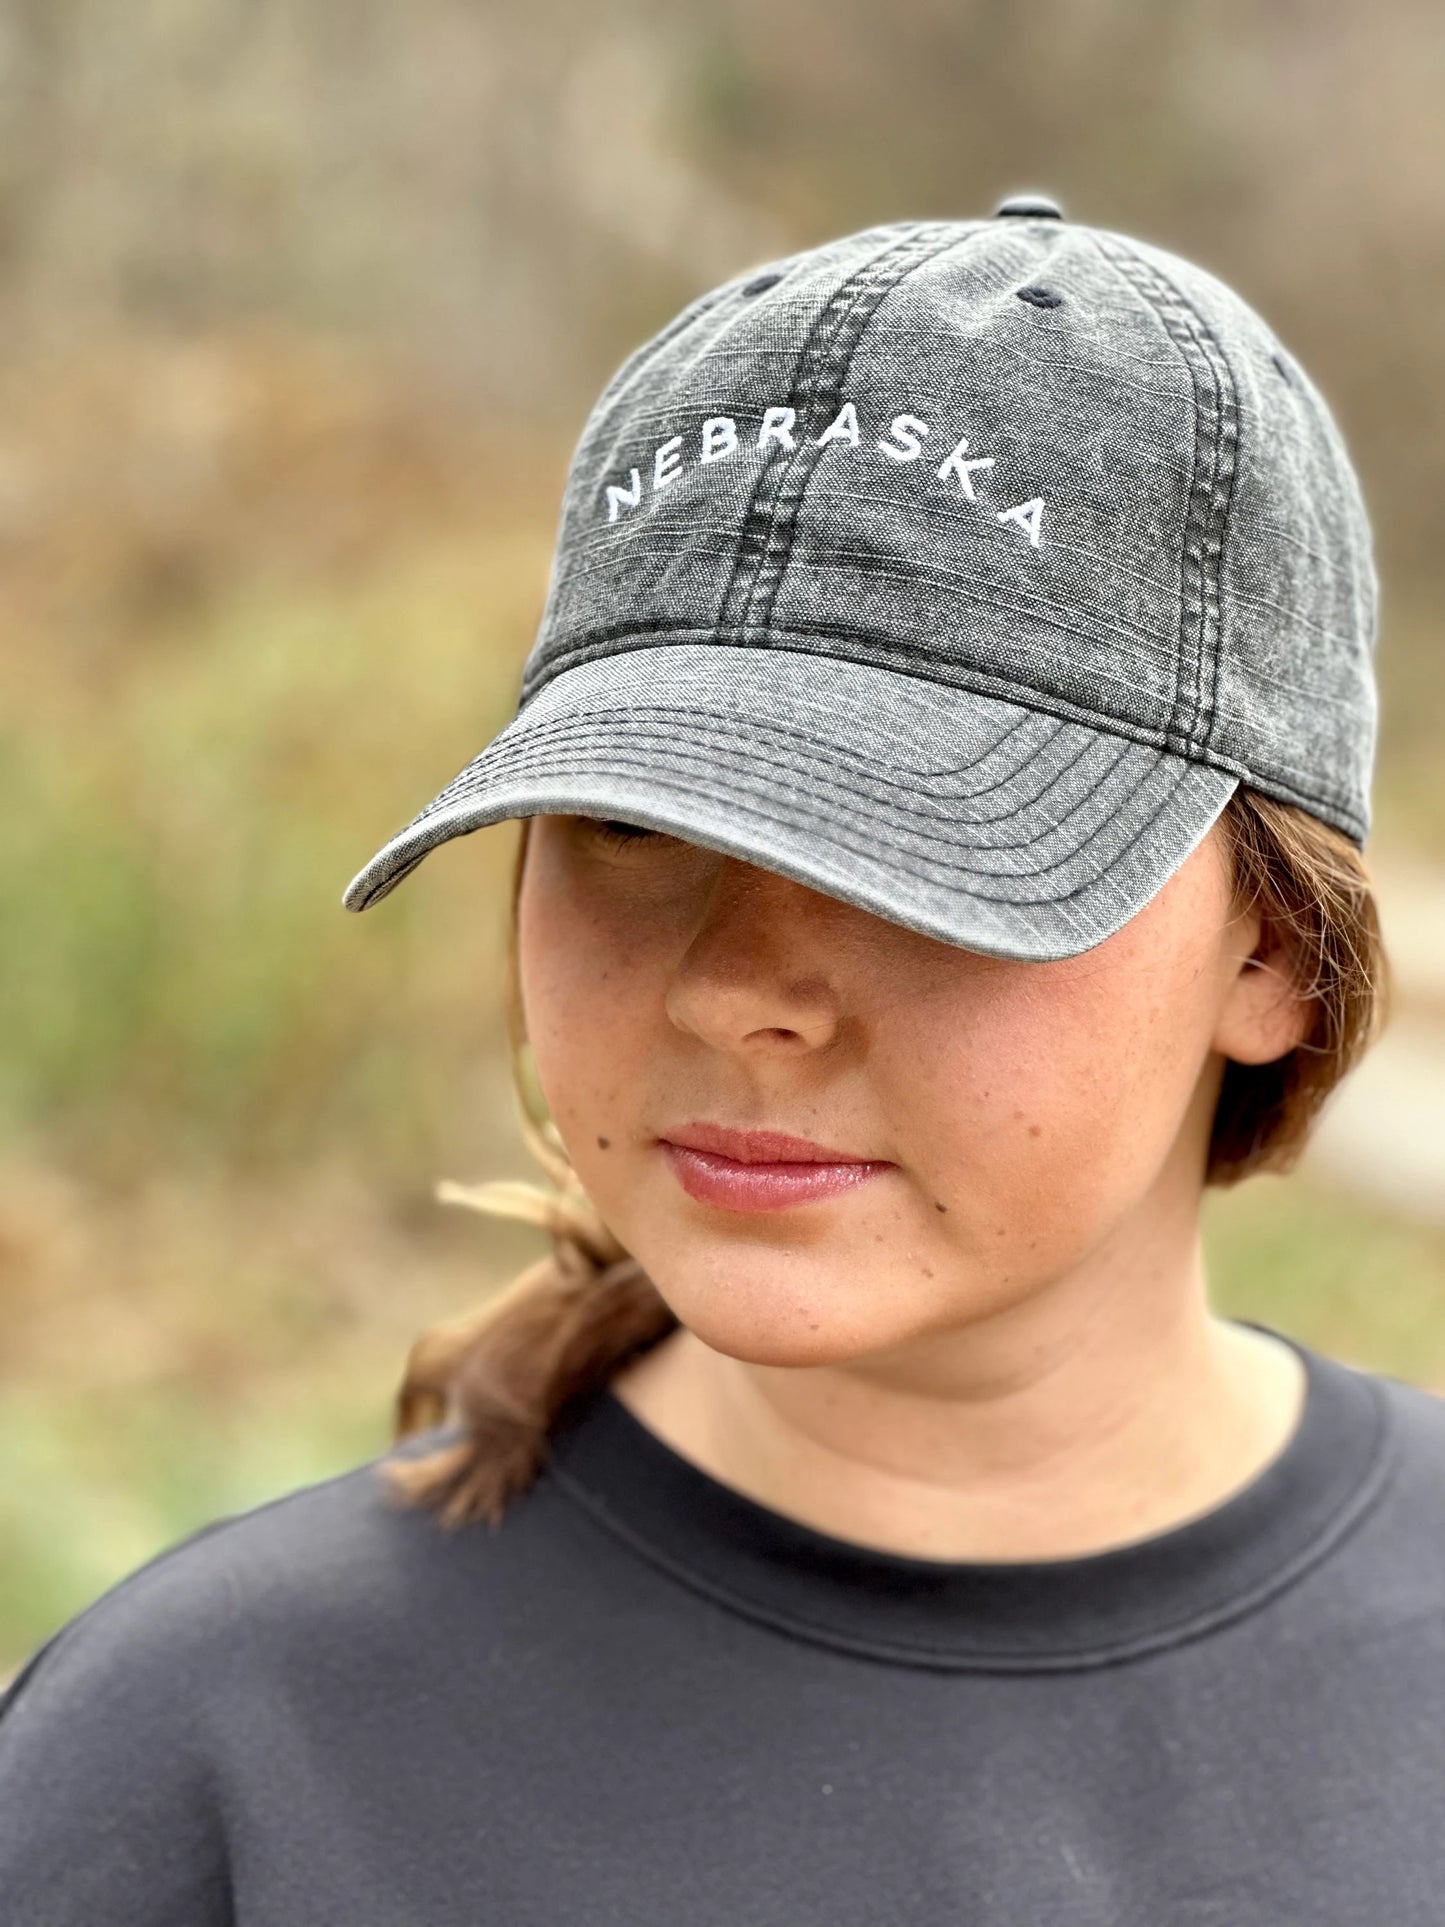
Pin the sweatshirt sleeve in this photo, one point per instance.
(108, 1799)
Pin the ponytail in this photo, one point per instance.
(502, 1373)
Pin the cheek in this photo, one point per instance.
(584, 987)
(1053, 1102)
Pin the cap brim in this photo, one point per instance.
(978, 821)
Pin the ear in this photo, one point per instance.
(1266, 1008)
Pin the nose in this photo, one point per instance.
(755, 975)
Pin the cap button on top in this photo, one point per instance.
(1034, 206)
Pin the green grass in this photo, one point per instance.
(1350, 1280)
(108, 1480)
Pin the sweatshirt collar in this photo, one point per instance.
(1029, 1616)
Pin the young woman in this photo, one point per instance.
(935, 869)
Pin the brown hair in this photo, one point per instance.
(503, 1372)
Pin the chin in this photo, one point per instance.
(779, 1331)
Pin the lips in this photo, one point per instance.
(758, 1147)
(761, 1170)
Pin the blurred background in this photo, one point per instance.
(304, 305)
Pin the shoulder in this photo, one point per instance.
(274, 1569)
(1396, 1544)
(1416, 1423)
(124, 1736)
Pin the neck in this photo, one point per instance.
(1078, 1419)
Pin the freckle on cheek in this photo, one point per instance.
(604, 1143)
(1036, 1130)
(939, 1207)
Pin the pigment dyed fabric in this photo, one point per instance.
(957, 569)
(646, 1700)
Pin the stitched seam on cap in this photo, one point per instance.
(944, 826)
(1123, 266)
(824, 641)
(446, 824)
(1016, 602)
(1211, 712)
(795, 478)
(1222, 501)
(1335, 806)
(751, 541)
(851, 303)
(801, 742)
(1214, 438)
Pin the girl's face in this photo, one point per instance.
(1039, 1122)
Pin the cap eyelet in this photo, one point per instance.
(1040, 297)
(1028, 207)
(759, 282)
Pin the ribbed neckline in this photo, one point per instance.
(1030, 1616)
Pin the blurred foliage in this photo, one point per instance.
(305, 305)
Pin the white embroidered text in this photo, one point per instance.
(719, 440)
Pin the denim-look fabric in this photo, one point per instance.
(1044, 546)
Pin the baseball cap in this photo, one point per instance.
(957, 569)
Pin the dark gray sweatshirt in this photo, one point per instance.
(647, 1701)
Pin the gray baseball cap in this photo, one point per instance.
(959, 570)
